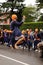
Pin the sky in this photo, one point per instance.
(27, 2)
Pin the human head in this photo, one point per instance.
(23, 31)
(36, 30)
(14, 17)
(30, 30)
(41, 30)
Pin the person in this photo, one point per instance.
(37, 38)
(6, 36)
(16, 34)
(1, 37)
(41, 34)
(40, 46)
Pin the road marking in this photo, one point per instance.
(13, 60)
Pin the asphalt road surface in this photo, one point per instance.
(19, 57)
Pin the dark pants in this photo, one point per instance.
(2, 40)
(12, 41)
(27, 43)
(35, 43)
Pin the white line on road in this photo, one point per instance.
(13, 60)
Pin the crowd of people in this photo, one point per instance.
(26, 38)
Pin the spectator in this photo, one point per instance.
(37, 38)
(1, 37)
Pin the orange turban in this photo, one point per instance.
(14, 16)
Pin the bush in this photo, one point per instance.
(32, 25)
(28, 25)
(6, 27)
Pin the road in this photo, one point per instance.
(19, 57)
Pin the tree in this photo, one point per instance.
(39, 4)
(41, 18)
(14, 4)
(39, 7)
(29, 12)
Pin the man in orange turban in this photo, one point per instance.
(16, 31)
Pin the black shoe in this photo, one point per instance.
(41, 56)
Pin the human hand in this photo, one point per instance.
(23, 18)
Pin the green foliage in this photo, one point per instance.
(41, 1)
(6, 27)
(6, 5)
(28, 25)
(32, 25)
(10, 5)
(29, 13)
(16, 0)
(41, 18)
(40, 5)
